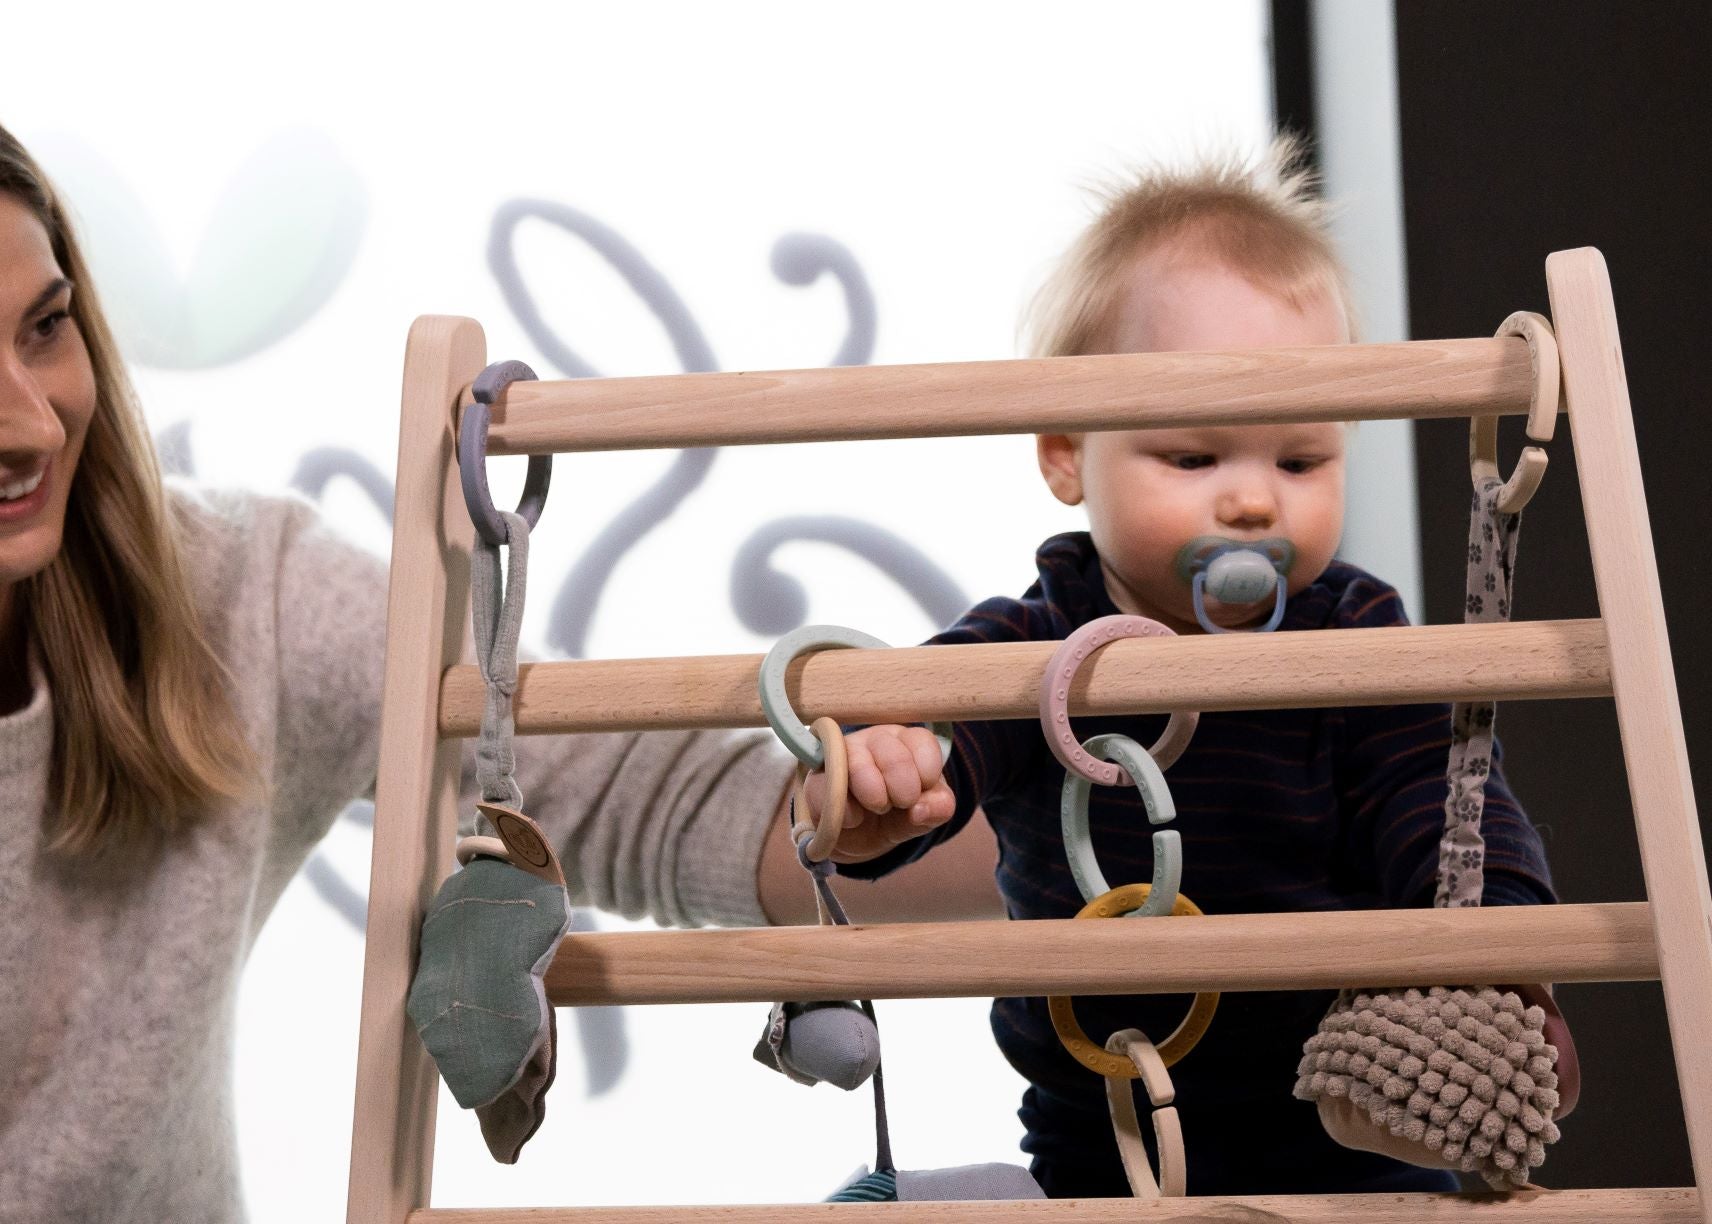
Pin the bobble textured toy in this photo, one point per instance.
(1466, 1073)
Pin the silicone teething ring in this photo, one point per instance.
(1187, 1034)
(1055, 685)
(472, 456)
(823, 834)
(776, 703)
(1155, 798)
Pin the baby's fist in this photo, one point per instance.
(897, 791)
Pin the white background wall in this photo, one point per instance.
(271, 203)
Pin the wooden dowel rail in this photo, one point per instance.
(1638, 1206)
(1417, 378)
(1523, 943)
(1531, 659)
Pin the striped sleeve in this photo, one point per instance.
(1393, 788)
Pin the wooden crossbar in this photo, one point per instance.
(1537, 659)
(1416, 378)
(1522, 943)
(1645, 1206)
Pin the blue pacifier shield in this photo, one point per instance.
(1241, 576)
(1236, 572)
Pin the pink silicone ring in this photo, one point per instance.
(1055, 701)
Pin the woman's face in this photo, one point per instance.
(47, 395)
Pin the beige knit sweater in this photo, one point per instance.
(117, 986)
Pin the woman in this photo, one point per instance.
(189, 693)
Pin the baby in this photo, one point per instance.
(1319, 809)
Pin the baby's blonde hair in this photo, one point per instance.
(1261, 217)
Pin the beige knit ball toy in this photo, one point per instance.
(1463, 1077)
(1452, 1077)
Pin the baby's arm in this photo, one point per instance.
(1394, 791)
(1392, 787)
(990, 757)
(897, 791)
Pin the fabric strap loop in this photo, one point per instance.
(1492, 539)
(496, 610)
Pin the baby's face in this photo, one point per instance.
(1149, 492)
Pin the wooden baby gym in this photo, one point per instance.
(434, 697)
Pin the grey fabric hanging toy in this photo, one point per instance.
(478, 999)
(838, 1042)
(1466, 1077)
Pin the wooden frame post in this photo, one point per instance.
(427, 630)
(1643, 681)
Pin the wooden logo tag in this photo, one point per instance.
(525, 842)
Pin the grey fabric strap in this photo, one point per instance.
(496, 609)
(832, 914)
(831, 911)
(1492, 538)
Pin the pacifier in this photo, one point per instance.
(1236, 572)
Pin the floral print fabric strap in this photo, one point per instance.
(1492, 538)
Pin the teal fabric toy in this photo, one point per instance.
(479, 1000)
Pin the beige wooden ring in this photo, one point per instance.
(1126, 1129)
(1155, 1079)
(1167, 1129)
(825, 831)
(1173, 1166)
(1542, 417)
(1115, 904)
(474, 847)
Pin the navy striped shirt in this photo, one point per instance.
(1318, 809)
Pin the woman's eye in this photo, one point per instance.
(1189, 463)
(48, 325)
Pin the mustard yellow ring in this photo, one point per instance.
(1115, 904)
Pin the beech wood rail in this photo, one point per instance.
(1640, 1206)
(1523, 943)
(1416, 379)
(1502, 662)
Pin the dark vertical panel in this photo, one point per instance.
(1293, 72)
(1527, 128)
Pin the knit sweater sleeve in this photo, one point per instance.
(664, 825)
(1393, 788)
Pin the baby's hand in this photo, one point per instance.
(897, 791)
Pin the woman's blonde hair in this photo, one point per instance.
(1261, 217)
(144, 737)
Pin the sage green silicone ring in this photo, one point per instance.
(1155, 797)
(776, 704)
